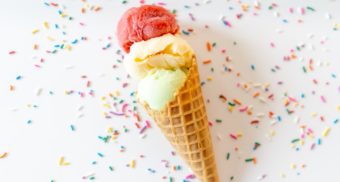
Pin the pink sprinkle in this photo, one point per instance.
(312, 146)
(233, 136)
(243, 109)
(124, 107)
(302, 11)
(323, 99)
(12, 52)
(161, 3)
(227, 23)
(190, 176)
(291, 10)
(148, 124)
(272, 44)
(292, 99)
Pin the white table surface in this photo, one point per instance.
(260, 38)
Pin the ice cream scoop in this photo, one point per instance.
(167, 51)
(160, 86)
(143, 23)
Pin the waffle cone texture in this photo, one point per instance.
(184, 122)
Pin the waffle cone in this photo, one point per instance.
(184, 122)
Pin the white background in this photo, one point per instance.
(34, 149)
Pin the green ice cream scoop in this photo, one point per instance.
(160, 86)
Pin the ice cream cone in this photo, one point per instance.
(184, 122)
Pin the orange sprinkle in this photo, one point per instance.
(11, 87)
(238, 74)
(237, 101)
(82, 10)
(256, 94)
(254, 160)
(36, 47)
(208, 46)
(208, 61)
(98, 8)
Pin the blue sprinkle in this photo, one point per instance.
(75, 41)
(18, 77)
(319, 141)
(29, 122)
(72, 127)
(336, 121)
(252, 67)
(100, 154)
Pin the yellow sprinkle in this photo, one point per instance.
(62, 162)
(50, 38)
(46, 25)
(209, 78)
(35, 31)
(231, 108)
(133, 164)
(302, 142)
(107, 105)
(293, 166)
(110, 130)
(338, 108)
(103, 98)
(272, 133)
(325, 132)
(314, 114)
(116, 93)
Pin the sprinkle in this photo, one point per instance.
(111, 168)
(228, 156)
(4, 155)
(252, 67)
(190, 176)
(208, 61)
(295, 140)
(323, 99)
(133, 163)
(12, 52)
(325, 132)
(62, 162)
(100, 154)
(208, 46)
(251, 160)
(35, 31)
(233, 136)
(72, 127)
(46, 25)
(256, 145)
(218, 120)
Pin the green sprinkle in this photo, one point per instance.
(111, 168)
(228, 156)
(295, 140)
(249, 160)
(92, 178)
(231, 104)
(310, 8)
(218, 120)
(304, 69)
(170, 179)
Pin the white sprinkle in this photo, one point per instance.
(38, 91)
(328, 16)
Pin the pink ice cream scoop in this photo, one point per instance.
(143, 23)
